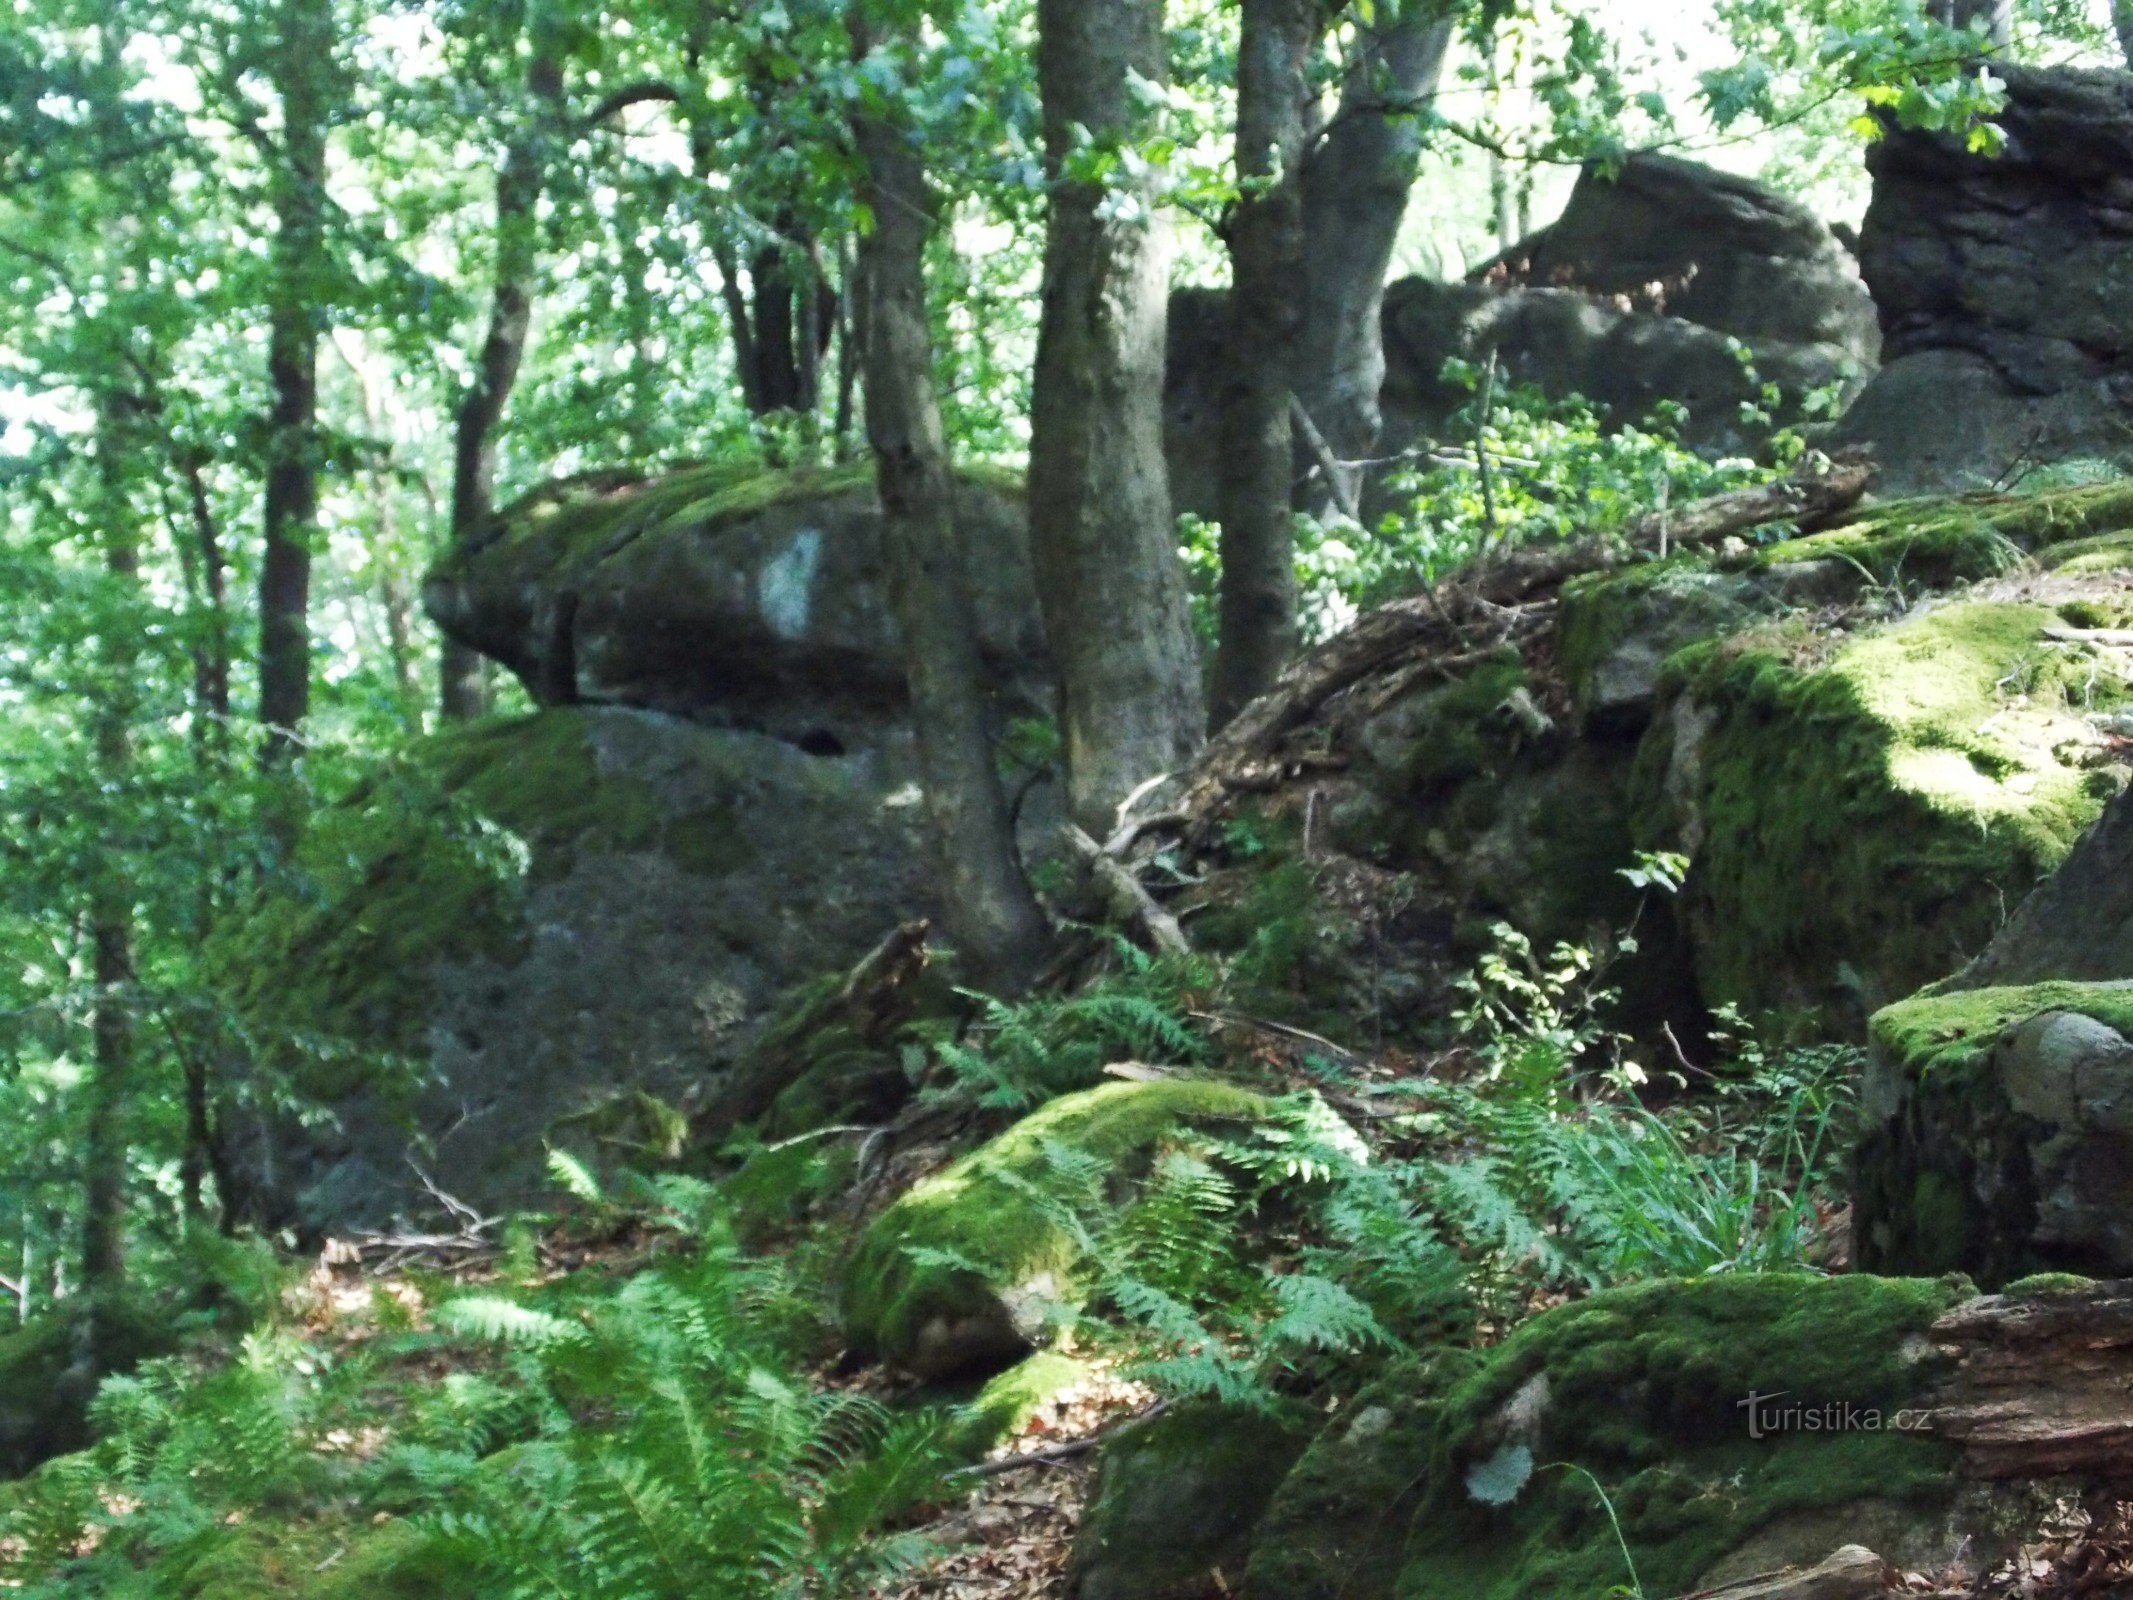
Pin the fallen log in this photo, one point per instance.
(1123, 899)
(2043, 1385)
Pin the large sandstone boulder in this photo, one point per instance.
(1869, 744)
(1999, 1136)
(1680, 239)
(559, 928)
(750, 599)
(2005, 285)
(1662, 281)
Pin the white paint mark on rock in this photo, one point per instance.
(785, 587)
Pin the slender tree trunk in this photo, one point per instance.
(2122, 22)
(107, 1137)
(991, 916)
(1101, 531)
(211, 656)
(300, 65)
(1356, 182)
(1266, 246)
(519, 183)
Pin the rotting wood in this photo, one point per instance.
(2043, 1384)
(1852, 1573)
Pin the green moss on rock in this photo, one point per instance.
(1940, 1035)
(1870, 805)
(1176, 1500)
(1963, 1164)
(1348, 1506)
(1643, 1388)
(950, 1275)
(429, 863)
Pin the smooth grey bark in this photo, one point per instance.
(300, 63)
(990, 914)
(464, 687)
(1102, 537)
(1357, 175)
(1257, 600)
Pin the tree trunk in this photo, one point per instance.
(301, 60)
(991, 916)
(519, 182)
(1356, 183)
(1101, 532)
(1266, 244)
(1996, 15)
(106, 1138)
(2122, 22)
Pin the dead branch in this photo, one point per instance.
(1123, 898)
(1852, 1573)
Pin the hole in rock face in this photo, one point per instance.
(821, 742)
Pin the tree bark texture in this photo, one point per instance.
(1257, 629)
(1101, 533)
(464, 690)
(2122, 24)
(1356, 182)
(301, 62)
(990, 914)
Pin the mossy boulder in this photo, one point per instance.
(1999, 1136)
(1176, 1499)
(1349, 1504)
(1487, 1484)
(749, 596)
(1861, 810)
(968, 1269)
(1474, 781)
(531, 923)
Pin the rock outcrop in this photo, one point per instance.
(1666, 281)
(736, 597)
(1869, 743)
(570, 927)
(2005, 285)
(559, 928)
